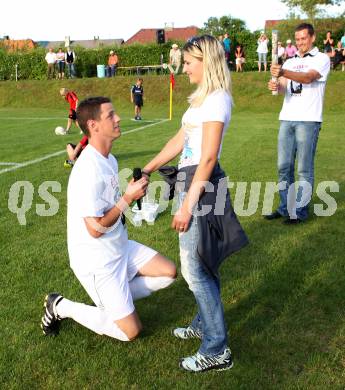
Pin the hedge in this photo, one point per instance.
(31, 64)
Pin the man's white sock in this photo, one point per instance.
(143, 286)
(92, 317)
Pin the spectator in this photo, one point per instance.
(227, 47)
(343, 41)
(240, 58)
(70, 59)
(220, 39)
(281, 52)
(51, 61)
(328, 44)
(290, 50)
(60, 58)
(175, 57)
(338, 56)
(72, 98)
(112, 64)
(74, 151)
(262, 51)
(137, 97)
(303, 81)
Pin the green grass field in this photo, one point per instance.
(283, 294)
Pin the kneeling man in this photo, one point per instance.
(112, 269)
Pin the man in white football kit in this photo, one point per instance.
(303, 80)
(112, 269)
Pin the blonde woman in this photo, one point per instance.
(262, 50)
(199, 141)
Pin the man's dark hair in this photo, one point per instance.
(306, 26)
(90, 109)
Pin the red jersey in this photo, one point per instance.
(72, 99)
(84, 141)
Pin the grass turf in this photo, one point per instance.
(283, 295)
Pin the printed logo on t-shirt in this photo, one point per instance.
(295, 88)
(113, 181)
(109, 194)
(187, 153)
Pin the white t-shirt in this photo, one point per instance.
(93, 189)
(281, 51)
(304, 102)
(262, 46)
(215, 108)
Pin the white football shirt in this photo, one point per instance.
(93, 189)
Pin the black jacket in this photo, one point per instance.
(220, 232)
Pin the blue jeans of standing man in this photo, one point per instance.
(111, 70)
(206, 289)
(296, 139)
(71, 70)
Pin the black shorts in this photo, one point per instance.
(138, 101)
(74, 146)
(72, 115)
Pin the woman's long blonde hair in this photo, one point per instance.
(216, 74)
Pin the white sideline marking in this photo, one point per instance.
(30, 119)
(61, 118)
(144, 127)
(8, 163)
(37, 160)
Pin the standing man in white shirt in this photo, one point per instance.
(113, 270)
(175, 57)
(51, 61)
(303, 80)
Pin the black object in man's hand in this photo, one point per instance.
(136, 176)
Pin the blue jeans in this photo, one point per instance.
(111, 70)
(262, 57)
(71, 70)
(206, 289)
(296, 139)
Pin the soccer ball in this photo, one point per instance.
(60, 130)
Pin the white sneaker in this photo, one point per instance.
(186, 333)
(200, 363)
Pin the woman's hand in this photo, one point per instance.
(181, 220)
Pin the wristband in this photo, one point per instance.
(145, 173)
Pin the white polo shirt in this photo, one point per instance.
(304, 102)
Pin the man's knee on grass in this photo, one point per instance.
(130, 325)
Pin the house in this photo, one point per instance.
(85, 43)
(18, 44)
(270, 24)
(149, 35)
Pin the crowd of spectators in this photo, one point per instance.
(61, 64)
(56, 63)
(335, 52)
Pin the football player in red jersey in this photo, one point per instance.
(72, 99)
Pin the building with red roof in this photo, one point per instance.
(149, 35)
